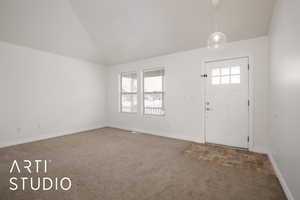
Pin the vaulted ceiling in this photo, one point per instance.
(118, 31)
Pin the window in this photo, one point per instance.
(226, 75)
(128, 96)
(154, 92)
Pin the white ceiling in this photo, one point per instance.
(48, 25)
(117, 31)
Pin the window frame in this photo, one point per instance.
(229, 75)
(163, 91)
(121, 93)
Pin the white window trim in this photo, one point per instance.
(230, 75)
(122, 93)
(163, 91)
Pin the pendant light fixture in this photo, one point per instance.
(217, 39)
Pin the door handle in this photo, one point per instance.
(207, 109)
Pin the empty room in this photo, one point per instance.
(149, 99)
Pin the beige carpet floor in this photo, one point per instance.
(112, 164)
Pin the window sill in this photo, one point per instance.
(153, 115)
(131, 113)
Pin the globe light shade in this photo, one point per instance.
(216, 40)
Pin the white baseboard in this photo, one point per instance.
(281, 178)
(181, 137)
(159, 133)
(260, 150)
(43, 137)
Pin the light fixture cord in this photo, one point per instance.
(215, 4)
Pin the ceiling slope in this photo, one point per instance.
(48, 25)
(117, 31)
(136, 29)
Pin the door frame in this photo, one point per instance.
(250, 96)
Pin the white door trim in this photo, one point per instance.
(250, 96)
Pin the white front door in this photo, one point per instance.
(226, 102)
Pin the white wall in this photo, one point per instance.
(285, 93)
(184, 102)
(44, 95)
